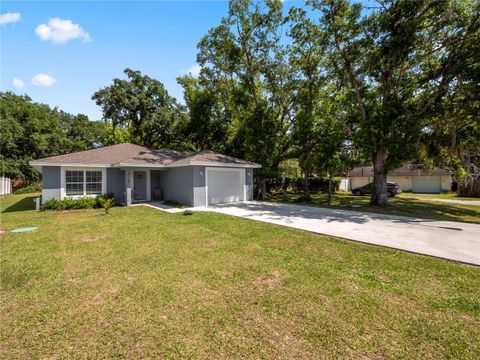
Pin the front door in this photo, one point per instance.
(139, 185)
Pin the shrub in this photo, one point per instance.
(27, 189)
(106, 202)
(176, 204)
(69, 204)
(315, 184)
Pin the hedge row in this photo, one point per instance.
(72, 204)
(296, 184)
(28, 189)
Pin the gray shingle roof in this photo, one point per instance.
(130, 154)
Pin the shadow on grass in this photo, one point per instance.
(419, 208)
(25, 204)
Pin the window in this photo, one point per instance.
(94, 182)
(74, 183)
(82, 182)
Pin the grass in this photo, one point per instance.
(444, 196)
(421, 208)
(140, 283)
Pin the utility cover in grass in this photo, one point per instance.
(25, 229)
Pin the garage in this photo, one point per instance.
(225, 185)
(427, 184)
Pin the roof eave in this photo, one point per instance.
(36, 164)
(215, 164)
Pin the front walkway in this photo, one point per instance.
(161, 206)
(445, 239)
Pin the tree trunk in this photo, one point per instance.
(306, 191)
(379, 194)
(329, 199)
(261, 188)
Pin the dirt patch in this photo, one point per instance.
(93, 238)
(271, 280)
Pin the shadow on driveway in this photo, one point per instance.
(287, 212)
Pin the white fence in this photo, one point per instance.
(5, 186)
(345, 184)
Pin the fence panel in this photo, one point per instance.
(5, 186)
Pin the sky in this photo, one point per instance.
(61, 52)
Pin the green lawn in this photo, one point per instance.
(397, 206)
(445, 196)
(140, 283)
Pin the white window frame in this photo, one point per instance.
(242, 173)
(63, 188)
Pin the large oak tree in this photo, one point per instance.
(394, 59)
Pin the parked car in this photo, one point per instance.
(392, 189)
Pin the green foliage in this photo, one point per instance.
(176, 204)
(395, 63)
(69, 204)
(141, 106)
(296, 184)
(32, 130)
(244, 65)
(106, 202)
(27, 189)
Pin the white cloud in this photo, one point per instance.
(43, 80)
(17, 83)
(194, 70)
(9, 18)
(61, 31)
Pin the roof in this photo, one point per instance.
(207, 156)
(405, 170)
(136, 155)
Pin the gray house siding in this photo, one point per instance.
(249, 183)
(116, 184)
(183, 184)
(199, 189)
(51, 178)
(177, 184)
(51, 183)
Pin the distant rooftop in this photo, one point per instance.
(405, 170)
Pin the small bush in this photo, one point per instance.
(188, 212)
(27, 189)
(176, 204)
(106, 202)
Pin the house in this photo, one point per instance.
(134, 173)
(410, 177)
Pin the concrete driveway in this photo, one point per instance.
(445, 239)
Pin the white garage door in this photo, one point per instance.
(427, 184)
(225, 185)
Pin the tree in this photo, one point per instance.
(32, 130)
(243, 62)
(142, 106)
(307, 60)
(394, 60)
(454, 140)
(207, 125)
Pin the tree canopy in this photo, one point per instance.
(31, 130)
(331, 83)
(142, 106)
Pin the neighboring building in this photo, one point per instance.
(410, 177)
(134, 173)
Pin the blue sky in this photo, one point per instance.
(158, 38)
